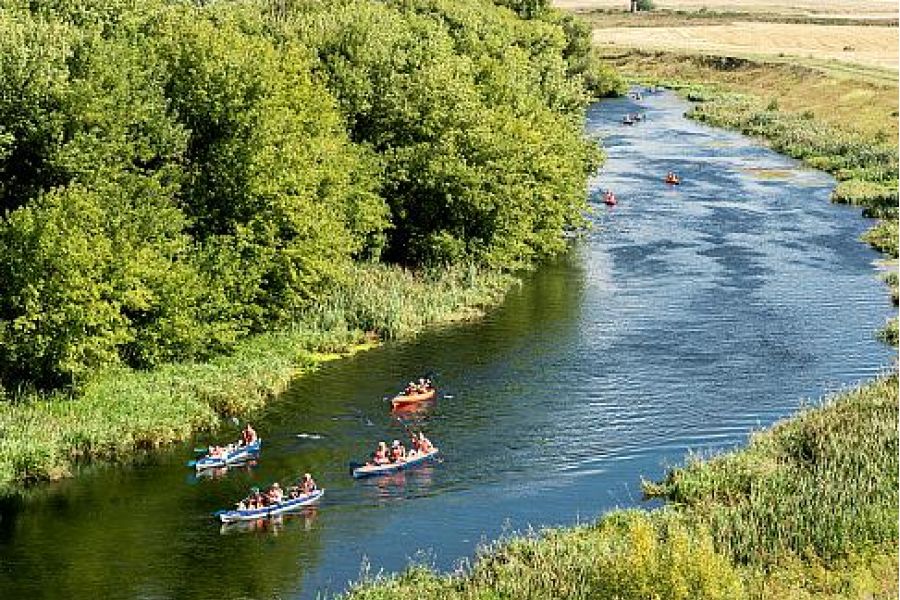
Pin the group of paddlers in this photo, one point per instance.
(398, 453)
(275, 495)
(422, 386)
(248, 437)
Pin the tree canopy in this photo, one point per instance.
(175, 175)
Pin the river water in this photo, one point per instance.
(686, 318)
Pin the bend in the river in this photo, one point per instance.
(687, 317)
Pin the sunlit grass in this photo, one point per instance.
(825, 481)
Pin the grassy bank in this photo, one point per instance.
(43, 437)
(807, 510)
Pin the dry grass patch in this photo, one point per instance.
(868, 46)
(878, 9)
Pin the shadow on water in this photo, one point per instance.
(687, 317)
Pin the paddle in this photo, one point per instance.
(408, 430)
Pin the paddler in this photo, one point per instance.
(398, 452)
(422, 443)
(275, 494)
(380, 456)
(307, 484)
(248, 435)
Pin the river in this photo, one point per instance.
(686, 318)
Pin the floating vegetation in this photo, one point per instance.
(767, 173)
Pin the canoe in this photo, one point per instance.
(413, 398)
(374, 470)
(238, 455)
(291, 504)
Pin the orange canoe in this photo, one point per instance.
(403, 400)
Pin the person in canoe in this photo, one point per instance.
(308, 484)
(398, 452)
(672, 178)
(381, 455)
(274, 495)
(421, 443)
(217, 452)
(253, 501)
(248, 435)
(418, 387)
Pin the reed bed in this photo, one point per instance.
(626, 555)
(824, 482)
(807, 510)
(46, 436)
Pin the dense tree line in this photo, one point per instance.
(177, 175)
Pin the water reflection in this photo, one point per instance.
(303, 519)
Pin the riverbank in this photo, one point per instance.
(806, 510)
(119, 412)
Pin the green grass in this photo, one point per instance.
(44, 437)
(889, 333)
(825, 481)
(883, 236)
(807, 510)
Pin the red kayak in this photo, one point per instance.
(407, 399)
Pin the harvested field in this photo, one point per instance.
(855, 44)
(854, 9)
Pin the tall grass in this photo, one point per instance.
(825, 482)
(628, 555)
(807, 510)
(43, 437)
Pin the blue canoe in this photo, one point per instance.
(374, 470)
(234, 456)
(288, 505)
